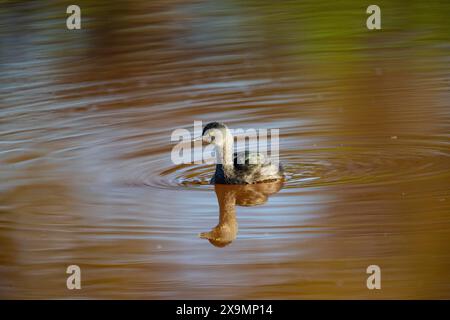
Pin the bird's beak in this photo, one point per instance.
(204, 139)
(204, 235)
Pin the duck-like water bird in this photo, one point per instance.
(237, 168)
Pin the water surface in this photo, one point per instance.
(86, 177)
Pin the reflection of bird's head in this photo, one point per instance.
(219, 244)
(219, 236)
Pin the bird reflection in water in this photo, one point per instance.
(229, 196)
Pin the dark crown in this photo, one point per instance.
(213, 125)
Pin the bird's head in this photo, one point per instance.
(215, 133)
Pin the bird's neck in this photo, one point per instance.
(225, 153)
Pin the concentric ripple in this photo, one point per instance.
(371, 164)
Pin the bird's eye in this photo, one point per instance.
(213, 138)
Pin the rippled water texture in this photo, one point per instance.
(86, 177)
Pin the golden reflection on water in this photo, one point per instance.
(230, 196)
(85, 170)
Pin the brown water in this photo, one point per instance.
(85, 170)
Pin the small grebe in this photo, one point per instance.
(237, 168)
